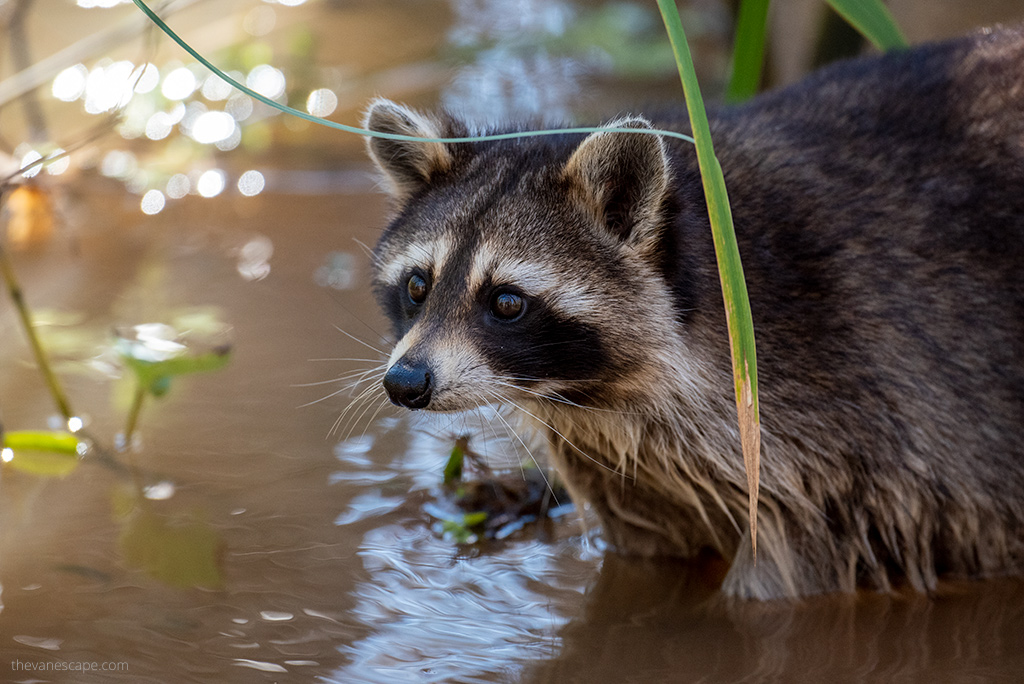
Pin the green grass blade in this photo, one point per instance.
(362, 131)
(748, 50)
(873, 20)
(734, 288)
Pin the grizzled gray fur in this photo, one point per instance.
(879, 209)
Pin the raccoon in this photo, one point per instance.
(879, 210)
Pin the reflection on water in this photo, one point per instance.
(672, 627)
(439, 615)
(541, 60)
(321, 560)
(512, 74)
(437, 618)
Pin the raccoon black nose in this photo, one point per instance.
(408, 384)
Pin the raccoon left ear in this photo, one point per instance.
(408, 165)
(623, 178)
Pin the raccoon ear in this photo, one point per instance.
(408, 165)
(623, 178)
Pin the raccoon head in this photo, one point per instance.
(521, 270)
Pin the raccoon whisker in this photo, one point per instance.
(564, 438)
(340, 378)
(376, 371)
(539, 395)
(374, 259)
(598, 409)
(365, 344)
(333, 394)
(380, 406)
(355, 419)
(362, 397)
(559, 343)
(536, 463)
(558, 398)
(372, 374)
(352, 420)
(350, 360)
(540, 467)
(443, 432)
(489, 424)
(531, 378)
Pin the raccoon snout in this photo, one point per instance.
(409, 384)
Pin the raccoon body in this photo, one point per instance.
(879, 209)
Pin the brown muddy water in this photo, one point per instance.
(322, 560)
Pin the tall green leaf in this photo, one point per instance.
(734, 288)
(873, 20)
(748, 50)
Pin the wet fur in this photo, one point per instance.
(879, 209)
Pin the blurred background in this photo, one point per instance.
(266, 521)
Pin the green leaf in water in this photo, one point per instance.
(461, 531)
(474, 519)
(155, 353)
(453, 468)
(50, 454)
(156, 375)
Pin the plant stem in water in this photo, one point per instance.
(52, 383)
(133, 415)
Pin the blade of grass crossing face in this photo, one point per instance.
(873, 20)
(748, 50)
(734, 289)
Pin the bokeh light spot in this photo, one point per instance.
(251, 183)
(321, 102)
(69, 85)
(211, 183)
(153, 202)
(179, 84)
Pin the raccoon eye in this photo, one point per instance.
(507, 306)
(417, 288)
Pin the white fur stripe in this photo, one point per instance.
(573, 296)
(429, 256)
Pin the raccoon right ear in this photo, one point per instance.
(622, 179)
(408, 165)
